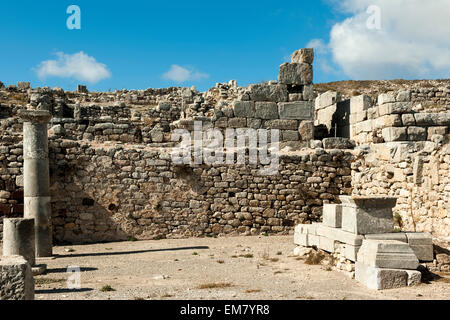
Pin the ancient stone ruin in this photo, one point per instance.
(82, 167)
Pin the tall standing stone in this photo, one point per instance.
(37, 178)
(18, 238)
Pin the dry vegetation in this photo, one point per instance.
(373, 88)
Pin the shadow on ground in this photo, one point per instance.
(96, 254)
(48, 291)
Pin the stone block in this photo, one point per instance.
(397, 236)
(266, 110)
(380, 279)
(313, 240)
(268, 92)
(395, 108)
(301, 239)
(308, 92)
(244, 109)
(390, 254)
(404, 96)
(295, 73)
(300, 110)
(422, 245)
(432, 119)
(394, 134)
(360, 103)
(327, 99)
(325, 116)
(326, 244)
(338, 143)
(339, 235)
(414, 277)
(281, 124)
(385, 98)
(332, 215)
(306, 130)
(289, 135)
(365, 126)
(408, 119)
(437, 130)
(303, 56)
(367, 215)
(417, 134)
(389, 120)
(358, 117)
(351, 252)
(16, 279)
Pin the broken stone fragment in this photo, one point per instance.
(305, 55)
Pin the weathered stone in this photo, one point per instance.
(16, 279)
(390, 120)
(380, 279)
(389, 254)
(303, 56)
(295, 73)
(417, 134)
(18, 238)
(414, 278)
(327, 99)
(394, 134)
(289, 135)
(360, 103)
(397, 236)
(267, 92)
(244, 109)
(395, 107)
(306, 130)
(385, 98)
(281, 124)
(266, 110)
(339, 235)
(404, 96)
(301, 110)
(338, 143)
(36, 178)
(326, 244)
(367, 215)
(422, 245)
(332, 215)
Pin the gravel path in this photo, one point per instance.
(223, 268)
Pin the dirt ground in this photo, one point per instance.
(250, 268)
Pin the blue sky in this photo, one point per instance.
(134, 44)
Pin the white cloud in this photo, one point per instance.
(180, 74)
(413, 41)
(78, 65)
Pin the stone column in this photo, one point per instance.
(36, 177)
(18, 238)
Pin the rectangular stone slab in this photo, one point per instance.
(398, 236)
(332, 215)
(326, 244)
(367, 215)
(389, 254)
(339, 235)
(380, 279)
(351, 252)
